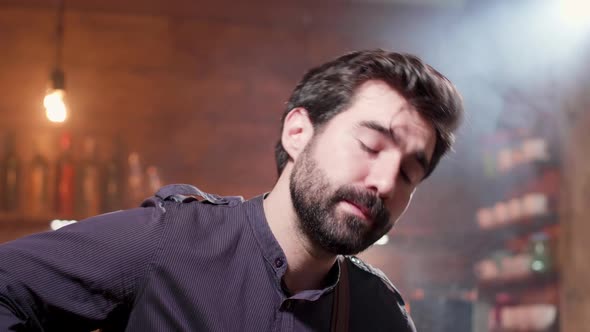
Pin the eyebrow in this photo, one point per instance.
(419, 156)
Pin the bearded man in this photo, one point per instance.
(358, 135)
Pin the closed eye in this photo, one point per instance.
(367, 149)
(373, 152)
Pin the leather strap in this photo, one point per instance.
(341, 300)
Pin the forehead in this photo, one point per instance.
(376, 101)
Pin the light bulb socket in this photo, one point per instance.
(58, 80)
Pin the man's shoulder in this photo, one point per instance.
(185, 193)
(375, 298)
(375, 276)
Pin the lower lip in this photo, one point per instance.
(355, 210)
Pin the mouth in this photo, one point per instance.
(358, 210)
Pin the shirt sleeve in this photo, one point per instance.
(79, 277)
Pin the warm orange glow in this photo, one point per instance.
(55, 107)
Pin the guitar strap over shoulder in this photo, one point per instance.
(341, 300)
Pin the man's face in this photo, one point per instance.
(356, 176)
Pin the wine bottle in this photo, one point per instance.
(135, 180)
(153, 178)
(88, 184)
(38, 196)
(541, 253)
(65, 178)
(10, 177)
(114, 178)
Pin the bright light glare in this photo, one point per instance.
(538, 266)
(576, 12)
(383, 240)
(57, 223)
(55, 107)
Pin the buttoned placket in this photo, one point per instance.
(283, 313)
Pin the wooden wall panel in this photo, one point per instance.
(164, 76)
(197, 88)
(26, 35)
(573, 243)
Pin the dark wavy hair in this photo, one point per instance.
(329, 89)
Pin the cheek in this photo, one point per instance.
(342, 164)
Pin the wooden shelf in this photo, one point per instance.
(497, 237)
(516, 288)
(524, 225)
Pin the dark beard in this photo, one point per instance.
(315, 203)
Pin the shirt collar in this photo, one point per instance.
(273, 253)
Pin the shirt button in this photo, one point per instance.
(278, 262)
(287, 305)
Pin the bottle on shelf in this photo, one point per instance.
(541, 254)
(503, 265)
(153, 179)
(525, 318)
(517, 284)
(504, 160)
(135, 180)
(535, 204)
(535, 149)
(38, 197)
(515, 210)
(88, 181)
(10, 180)
(114, 178)
(65, 178)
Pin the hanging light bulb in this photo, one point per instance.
(55, 108)
(54, 101)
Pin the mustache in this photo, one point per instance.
(368, 200)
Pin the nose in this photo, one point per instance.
(383, 175)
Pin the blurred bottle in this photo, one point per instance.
(65, 178)
(135, 181)
(535, 204)
(38, 200)
(500, 257)
(153, 178)
(486, 218)
(88, 184)
(541, 253)
(529, 317)
(516, 266)
(10, 176)
(487, 270)
(114, 178)
(535, 149)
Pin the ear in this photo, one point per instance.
(297, 132)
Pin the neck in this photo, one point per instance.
(307, 265)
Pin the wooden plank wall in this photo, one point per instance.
(201, 97)
(198, 92)
(574, 244)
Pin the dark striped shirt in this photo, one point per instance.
(177, 265)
